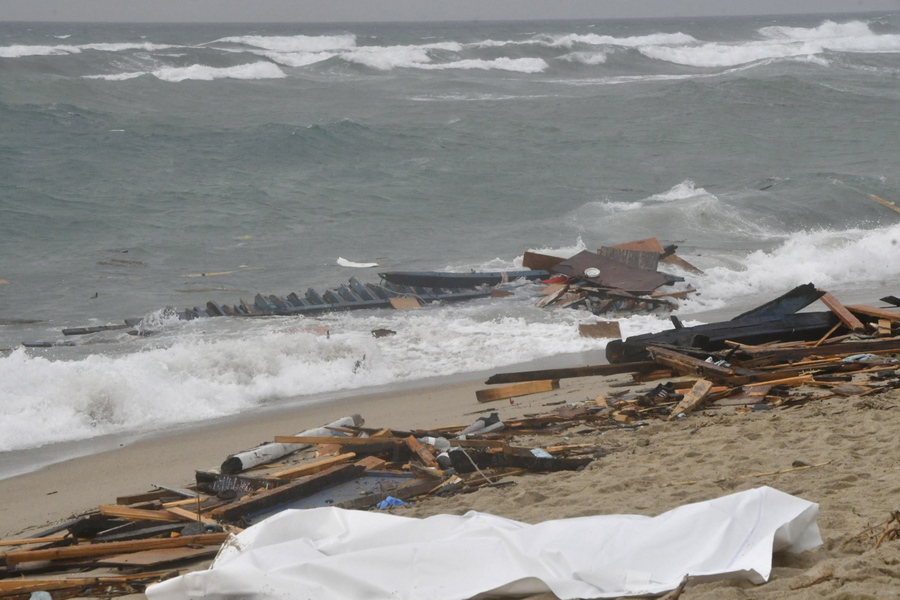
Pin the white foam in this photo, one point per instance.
(296, 59)
(586, 58)
(778, 43)
(259, 70)
(295, 43)
(385, 58)
(19, 51)
(519, 65)
(831, 259)
(685, 189)
(202, 373)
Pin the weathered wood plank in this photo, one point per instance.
(846, 317)
(565, 373)
(312, 468)
(136, 514)
(112, 548)
(603, 329)
(891, 314)
(692, 399)
(516, 389)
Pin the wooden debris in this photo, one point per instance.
(602, 329)
(692, 399)
(405, 303)
(516, 389)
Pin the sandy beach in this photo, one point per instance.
(839, 452)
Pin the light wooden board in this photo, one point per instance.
(516, 389)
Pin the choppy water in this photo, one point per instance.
(264, 153)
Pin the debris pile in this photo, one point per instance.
(768, 357)
(145, 538)
(617, 279)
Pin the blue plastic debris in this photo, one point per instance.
(390, 502)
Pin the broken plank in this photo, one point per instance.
(136, 514)
(421, 451)
(846, 317)
(516, 389)
(405, 303)
(565, 373)
(341, 441)
(311, 468)
(602, 329)
(884, 202)
(891, 314)
(112, 548)
(153, 558)
(692, 399)
(685, 364)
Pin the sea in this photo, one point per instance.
(150, 168)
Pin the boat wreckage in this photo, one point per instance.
(616, 279)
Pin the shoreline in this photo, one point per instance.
(51, 493)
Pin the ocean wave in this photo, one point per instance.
(780, 43)
(685, 189)
(852, 258)
(585, 58)
(21, 51)
(520, 65)
(204, 374)
(260, 70)
(295, 43)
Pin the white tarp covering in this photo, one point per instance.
(334, 554)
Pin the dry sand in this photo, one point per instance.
(853, 442)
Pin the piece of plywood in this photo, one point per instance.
(692, 399)
(540, 262)
(516, 389)
(647, 245)
(603, 329)
(405, 303)
(636, 259)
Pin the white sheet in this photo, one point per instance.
(334, 554)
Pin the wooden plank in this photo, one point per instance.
(603, 329)
(342, 441)
(191, 515)
(136, 514)
(113, 548)
(37, 540)
(371, 463)
(891, 314)
(405, 303)
(692, 399)
(289, 492)
(516, 389)
(565, 373)
(153, 558)
(884, 202)
(421, 451)
(846, 317)
(685, 364)
(311, 468)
